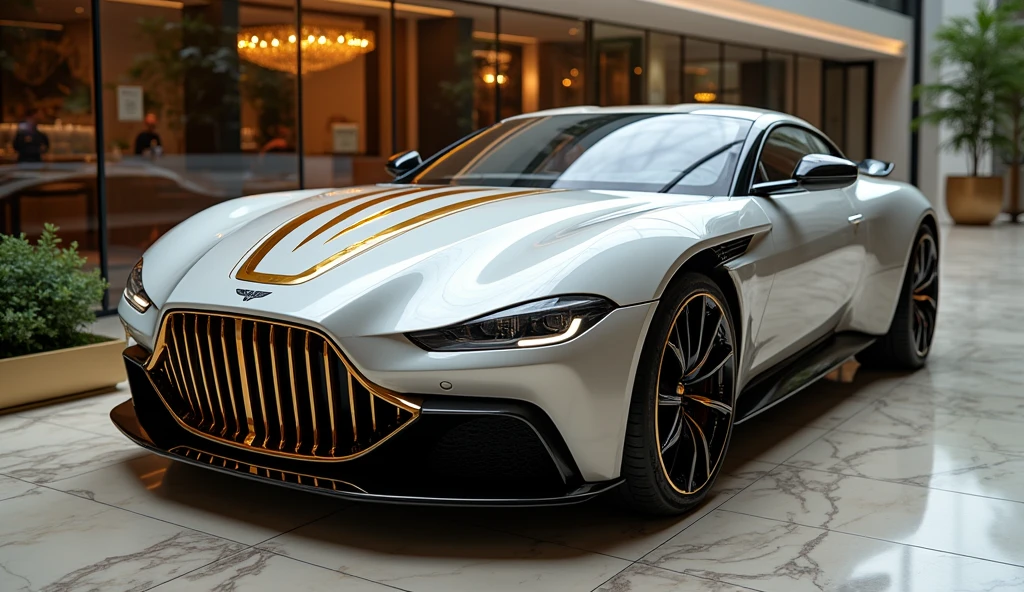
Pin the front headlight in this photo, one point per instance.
(541, 322)
(134, 292)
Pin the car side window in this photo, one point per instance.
(818, 145)
(782, 152)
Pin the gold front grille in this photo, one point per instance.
(279, 388)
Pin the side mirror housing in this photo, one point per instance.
(823, 171)
(876, 168)
(403, 162)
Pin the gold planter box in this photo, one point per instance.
(974, 200)
(60, 373)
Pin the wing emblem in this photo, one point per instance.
(248, 295)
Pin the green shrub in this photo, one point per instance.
(45, 297)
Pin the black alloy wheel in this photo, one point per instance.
(909, 341)
(681, 414)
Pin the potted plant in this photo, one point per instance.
(46, 301)
(965, 101)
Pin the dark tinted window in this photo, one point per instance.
(623, 151)
(783, 151)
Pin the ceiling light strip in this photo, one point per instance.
(787, 22)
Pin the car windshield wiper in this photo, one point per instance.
(675, 180)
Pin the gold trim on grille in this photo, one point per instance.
(317, 380)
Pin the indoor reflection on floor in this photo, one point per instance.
(865, 482)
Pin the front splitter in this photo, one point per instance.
(126, 420)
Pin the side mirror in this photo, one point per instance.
(876, 168)
(403, 162)
(822, 171)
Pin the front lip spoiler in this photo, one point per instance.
(127, 422)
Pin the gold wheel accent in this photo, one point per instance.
(694, 405)
(925, 286)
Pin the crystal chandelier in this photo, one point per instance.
(322, 48)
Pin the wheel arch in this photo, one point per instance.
(709, 262)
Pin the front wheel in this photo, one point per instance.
(681, 413)
(909, 341)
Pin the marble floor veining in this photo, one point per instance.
(903, 483)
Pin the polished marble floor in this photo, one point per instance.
(904, 483)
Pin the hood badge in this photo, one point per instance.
(248, 295)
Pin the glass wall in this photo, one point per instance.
(743, 76)
(702, 72)
(780, 70)
(619, 59)
(547, 62)
(346, 92)
(202, 101)
(448, 69)
(665, 69)
(47, 123)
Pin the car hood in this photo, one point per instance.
(393, 258)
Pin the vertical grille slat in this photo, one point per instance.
(230, 380)
(188, 373)
(246, 395)
(329, 391)
(312, 398)
(206, 358)
(352, 410)
(277, 389)
(295, 392)
(216, 378)
(258, 371)
(202, 373)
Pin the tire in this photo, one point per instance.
(697, 390)
(907, 344)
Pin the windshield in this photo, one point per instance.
(670, 152)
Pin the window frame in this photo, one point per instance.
(762, 142)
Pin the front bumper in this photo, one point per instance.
(460, 451)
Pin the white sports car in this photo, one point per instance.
(562, 304)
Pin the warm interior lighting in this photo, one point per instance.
(176, 4)
(400, 7)
(705, 97)
(322, 49)
(566, 82)
(638, 70)
(573, 31)
(32, 25)
(491, 78)
(743, 11)
(505, 37)
(574, 73)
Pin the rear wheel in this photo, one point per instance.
(681, 413)
(907, 344)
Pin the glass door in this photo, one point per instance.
(847, 94)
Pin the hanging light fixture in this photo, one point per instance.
(274, 47)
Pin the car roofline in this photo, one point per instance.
(714, 110)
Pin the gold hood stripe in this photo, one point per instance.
(372, 202)
(272, 239)
(249, 273)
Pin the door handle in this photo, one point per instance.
(855, 220)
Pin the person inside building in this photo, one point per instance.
(29, 142)
(148, 141)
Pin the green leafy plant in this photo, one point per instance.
(965, 99)
(46, 299)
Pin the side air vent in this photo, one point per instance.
(730, 250)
